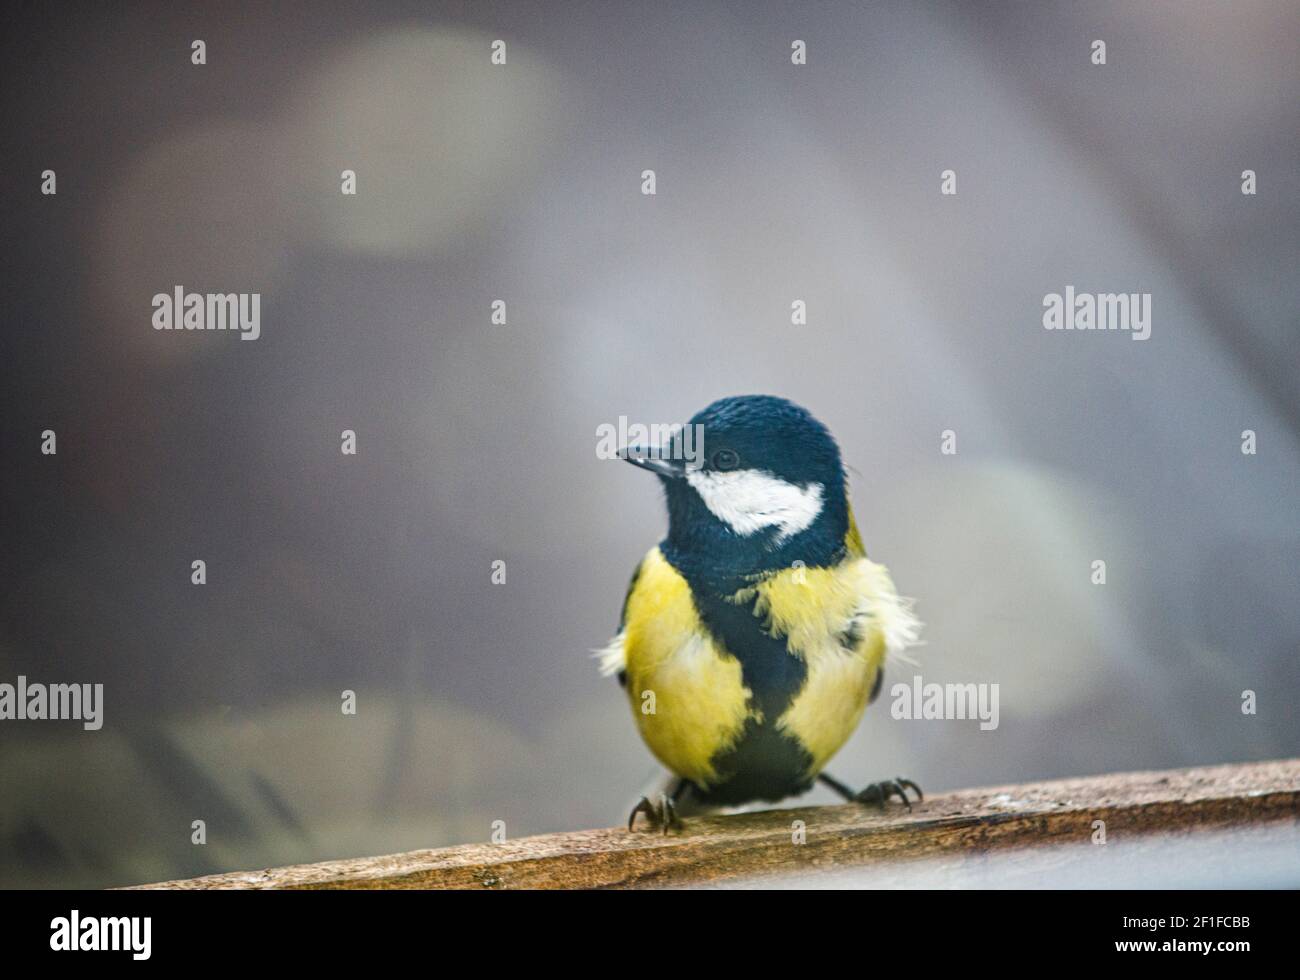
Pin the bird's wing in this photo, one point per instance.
(890, 613)
(613, 658)
(853, 540)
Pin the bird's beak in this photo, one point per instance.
(648, 458)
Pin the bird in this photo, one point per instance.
(753, 636)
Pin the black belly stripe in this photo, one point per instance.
(768, 669)
(764, 764)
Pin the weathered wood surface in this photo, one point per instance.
(956, 827)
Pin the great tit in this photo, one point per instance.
(755, 634)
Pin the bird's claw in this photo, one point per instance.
(878, 794)
(660, 816)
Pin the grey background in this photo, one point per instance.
(477, 442)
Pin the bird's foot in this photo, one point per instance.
(660, 816)
(878, 794)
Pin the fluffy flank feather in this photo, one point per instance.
(893, 614)
(611, 658)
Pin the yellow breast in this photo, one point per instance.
(686, 693)
(833, 619)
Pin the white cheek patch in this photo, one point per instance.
(750, 500)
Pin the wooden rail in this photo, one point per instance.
(959, 826)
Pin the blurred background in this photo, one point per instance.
(476, 441)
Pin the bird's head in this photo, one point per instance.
(763, 489)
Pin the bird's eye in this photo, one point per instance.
(726, 459)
